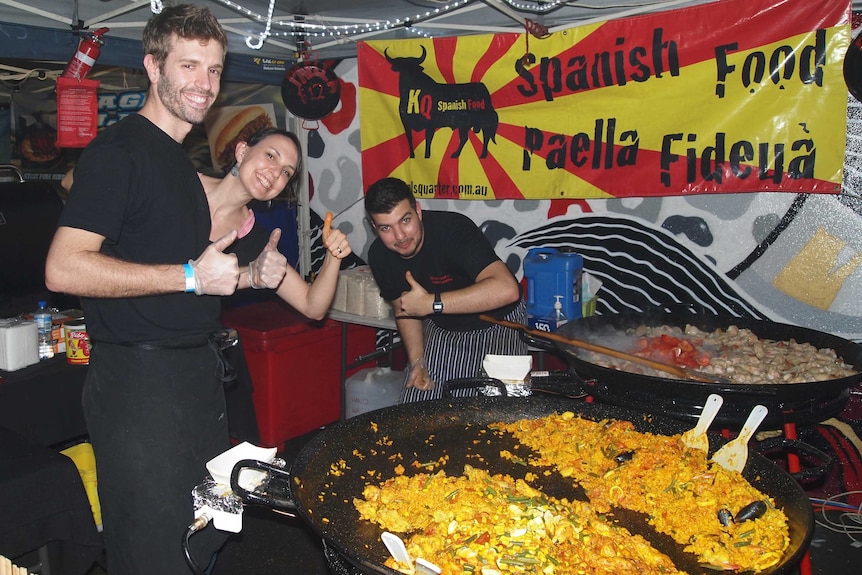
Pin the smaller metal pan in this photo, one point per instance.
(819, 399)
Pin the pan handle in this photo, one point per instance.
(262, 498)
(557, 383)
(752, 389)
(542, 344)
(823, 463)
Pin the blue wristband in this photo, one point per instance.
(190, 277)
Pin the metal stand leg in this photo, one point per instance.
(793, 466)
(343, 371)
(44, 567)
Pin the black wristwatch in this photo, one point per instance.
(437, 306)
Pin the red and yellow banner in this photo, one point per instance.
(730, 96)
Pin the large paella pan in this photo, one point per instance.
(335, 467)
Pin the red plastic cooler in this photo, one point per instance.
(295, 366)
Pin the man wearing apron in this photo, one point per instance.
(440, 272)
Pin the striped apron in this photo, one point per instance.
(455, 354)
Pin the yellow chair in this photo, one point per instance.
(85, 461)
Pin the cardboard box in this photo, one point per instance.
(295, 366)
(19, 346)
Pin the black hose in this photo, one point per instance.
(199, 524)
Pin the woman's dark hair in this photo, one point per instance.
(383, 195)
(289, 192)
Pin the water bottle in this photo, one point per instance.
(44, 325)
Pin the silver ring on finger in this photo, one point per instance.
(338, 250)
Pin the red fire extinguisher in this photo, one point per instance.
(84, 59)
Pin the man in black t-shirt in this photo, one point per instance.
(133, 242)
(439, 272)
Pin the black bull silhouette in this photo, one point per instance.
(427, 105)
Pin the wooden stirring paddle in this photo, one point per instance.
(696, 436)
(665, 367)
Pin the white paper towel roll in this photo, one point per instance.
(19, 344)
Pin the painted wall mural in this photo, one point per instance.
(794, 258)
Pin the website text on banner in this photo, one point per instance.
(730, 96)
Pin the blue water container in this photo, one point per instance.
(550, 272)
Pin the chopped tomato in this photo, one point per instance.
(672, 350)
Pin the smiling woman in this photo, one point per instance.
(267, 164)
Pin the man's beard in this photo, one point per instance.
(171, 97)
(416, 246)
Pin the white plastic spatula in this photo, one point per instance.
(425, 568)
(735, 453)
(398, 550)
(696, 436)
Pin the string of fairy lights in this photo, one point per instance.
(300, 28)
(536, 7)
(304, 29)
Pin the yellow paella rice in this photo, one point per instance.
(494, 525)
(683, 494)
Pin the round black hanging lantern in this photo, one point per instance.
(310, 90)
(853, 67)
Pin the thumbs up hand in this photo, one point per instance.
(217, 273)
(268, 270)
(334, 240)
(415, 302)
(327, 225)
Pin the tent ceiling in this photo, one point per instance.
(333, 26)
